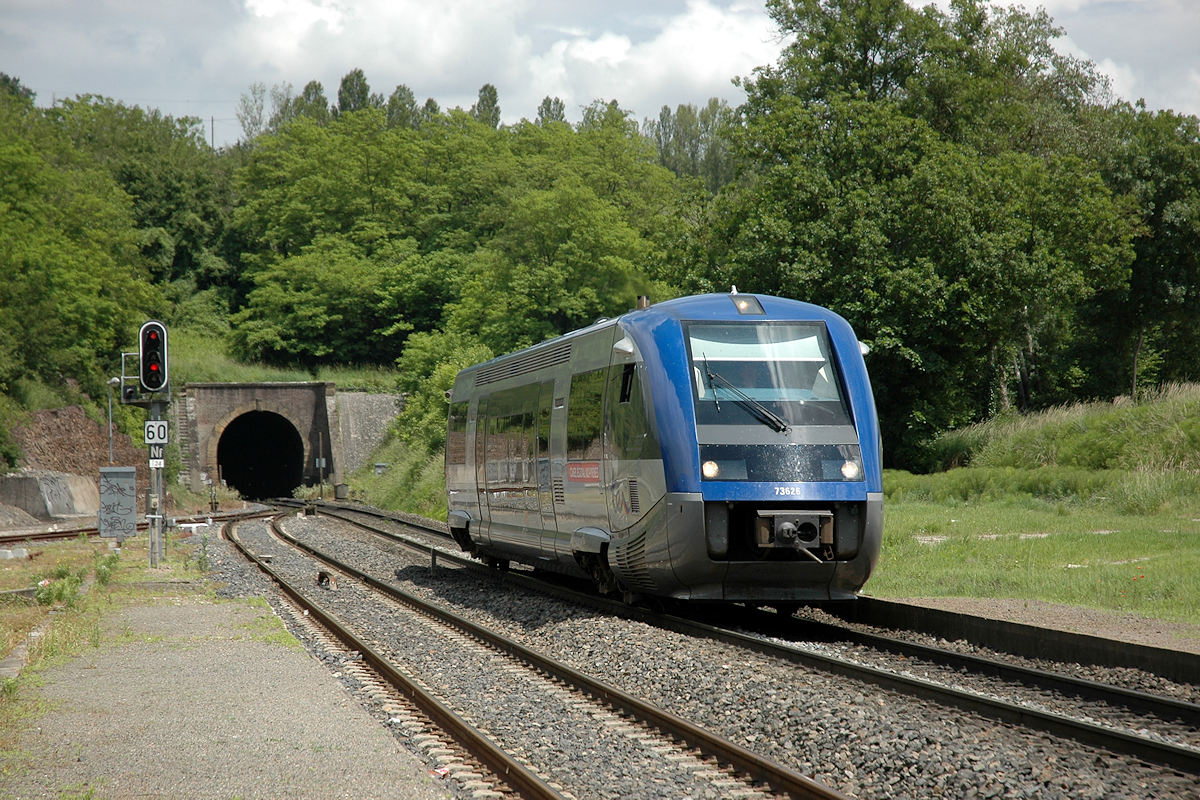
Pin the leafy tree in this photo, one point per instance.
(962, 267)
(986, 76)
(551, 109)
(1150, 320)
(12, 85)
(354, 93)
(311, 104)
(868, 49)
(282, 110)
(72, 284)
(428, 366)
(487, 108)
(677, 135)
(181, 196)
(319, 306)
(612, 157)
(466, 170)
(251, 111)
(349, 178)
(429, 112)
(415, 288)
(402, 109)
(994, 79)
(565, 257)
(717, 122)
(695, 142)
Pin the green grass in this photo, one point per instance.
(267, 627)
(1028, 548)
(202, 358)
(413, 482)
(1095, 505)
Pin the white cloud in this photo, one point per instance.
(694, 55)
(196, 58)
(642, 56)
(1122, 78)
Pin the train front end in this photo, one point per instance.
(771, 450)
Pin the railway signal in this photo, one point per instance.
(152, 356)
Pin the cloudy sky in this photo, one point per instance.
(197, 57)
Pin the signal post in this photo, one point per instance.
(152, 392)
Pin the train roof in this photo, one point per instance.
(725, 306)
(692, 307)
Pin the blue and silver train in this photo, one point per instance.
(721, 447)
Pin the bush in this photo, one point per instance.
(11, 415)
(106, 567)
(59, 590)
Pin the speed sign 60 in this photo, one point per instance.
(156, 431)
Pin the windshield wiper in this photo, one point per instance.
(709, 373)
(765, 415)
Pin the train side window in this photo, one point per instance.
(628, 418)
(543, 424)
(585, 407)
(626, 383)
(456, 434)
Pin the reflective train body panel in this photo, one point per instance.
(716, 448)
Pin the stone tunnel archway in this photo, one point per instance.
(261, 455)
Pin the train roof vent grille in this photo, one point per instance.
(510, 368)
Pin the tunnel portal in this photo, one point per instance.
(261, 455)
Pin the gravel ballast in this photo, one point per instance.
(860, 739)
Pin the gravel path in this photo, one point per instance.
(187, 698)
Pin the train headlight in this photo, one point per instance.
(747, 304)
(850, 470)
(710, 469)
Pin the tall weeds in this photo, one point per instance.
(1159, 433)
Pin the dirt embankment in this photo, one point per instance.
(66, 440)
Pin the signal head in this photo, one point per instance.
(152, 356)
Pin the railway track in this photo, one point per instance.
(50, 533)
(696, 761)
(1132, 723)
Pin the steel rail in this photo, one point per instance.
(778, 777)
(1117, 741)
(1020, 639)
(1132, 699)
(512, 772)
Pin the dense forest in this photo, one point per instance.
(1001, 231)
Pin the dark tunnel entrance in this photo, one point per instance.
(261, 455)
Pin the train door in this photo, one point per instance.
(481, 482)
(633, 471)
(584, 487)
(545, 488)
(625, 431)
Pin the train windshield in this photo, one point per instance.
(778, 374)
